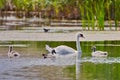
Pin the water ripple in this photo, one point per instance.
(99, 60)
(9, 64)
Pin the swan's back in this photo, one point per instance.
(99, 54)
(64, 50)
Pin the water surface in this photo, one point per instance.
(32, 66)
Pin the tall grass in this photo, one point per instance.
(108, 7)
(82, 9)
(100, 13)
(2, 3)
(117, 13)
(93, 13)
(97, 11)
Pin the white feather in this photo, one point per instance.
(98, 53)
(66, 50)
(48, 48)
(12, 53)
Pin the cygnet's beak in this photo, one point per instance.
(44, 55)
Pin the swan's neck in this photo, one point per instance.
(79, 51)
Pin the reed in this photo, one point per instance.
(108, 5)
(2, 3)
(101, 15)
(93, 13)
(90, 15)
(82, 10)
(117, 13)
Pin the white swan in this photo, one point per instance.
(61, 50)
(98, 53)
(65, 50)
(12, 53)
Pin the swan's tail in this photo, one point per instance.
(48, 48)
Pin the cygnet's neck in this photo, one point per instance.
(10, 49)
(94, 49)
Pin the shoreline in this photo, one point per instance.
(19, 35)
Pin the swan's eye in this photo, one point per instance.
(81, 35)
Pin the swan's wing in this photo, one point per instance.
(48, 48)
(99, 53)
(64, 50)
(15, 53)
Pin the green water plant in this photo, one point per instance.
(92, 13)
(117, 14)
(2, 3)
(108, 3)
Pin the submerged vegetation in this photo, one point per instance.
(92, 13)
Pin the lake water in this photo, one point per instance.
(31, 65)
